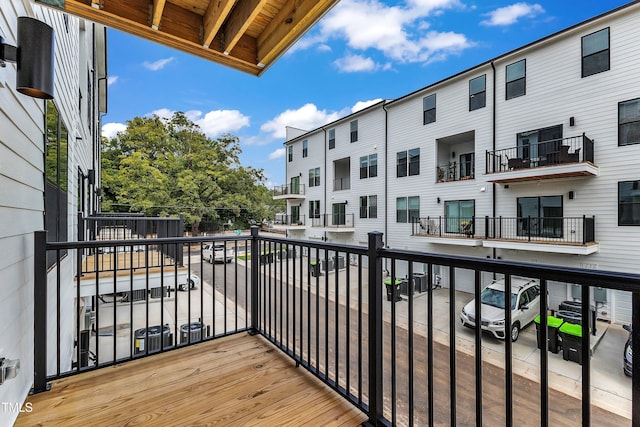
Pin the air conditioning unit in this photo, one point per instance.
(89, 319)
(137, 295)
(152, 339)
(159, 292)
(193, 332)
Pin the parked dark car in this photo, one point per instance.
(627, 358)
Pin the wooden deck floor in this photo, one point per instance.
(233, 381)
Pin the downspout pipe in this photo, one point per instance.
(326, 172)
(493, 146)
(386, 180)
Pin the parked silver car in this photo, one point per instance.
(525, 306)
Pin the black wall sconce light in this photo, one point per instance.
(453, 154)
(572, 121)
(34, 57)
(572, 195)
(438, 199)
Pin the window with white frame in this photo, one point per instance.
(305, 148)
(408, 163)
(629, 203)
(314, 209)
(290, 153)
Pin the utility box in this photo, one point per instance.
(152, 339)
(193, 332)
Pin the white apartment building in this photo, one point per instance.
(531, 156)
(49, 171)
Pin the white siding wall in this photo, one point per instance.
(22, 192)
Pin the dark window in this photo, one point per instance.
(295, 215)
(369, 166)
(373, 165)
(314, 177)
(429, 109)
(414, 162)
(467, 166)
(56, 173)
(368, 206)
(332, 139)
(516, 79)
(354, 131)
(339, 215)
(401, 209)
(414, 208)
(459, 215)
(540, 216)
(314, 209)
(629, 203)
(305, 148)
(401, 166)
(595, 53)
(478, 92)
(295, 185)
(629, 122)
(290, 153)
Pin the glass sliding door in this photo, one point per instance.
(338, 214)
(459, 216)
(540, 216)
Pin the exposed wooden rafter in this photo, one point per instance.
(214, 17)
(158, 7)
(244, 34)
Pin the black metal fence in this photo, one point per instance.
(346, 323)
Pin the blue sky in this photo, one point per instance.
(360, 52)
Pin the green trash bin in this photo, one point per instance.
(571, 342)
(387, 284)
(553, 326)
(315, 268)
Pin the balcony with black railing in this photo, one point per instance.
(287, 221)
(289, 192)
(453, 172)
(398, 360)
(337, 222)
(571, 235)
(557, 158)
(448, 230)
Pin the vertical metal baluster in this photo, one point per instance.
(452, 345)
(586, 356)
(508, 352)
(410, 290)
(478, 345)
(430, 343)
(394, 296)
(544, 359)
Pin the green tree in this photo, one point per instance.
(170, 167)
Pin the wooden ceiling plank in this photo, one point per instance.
(214, 17)
(158, 7)
(120, 22)
(241, 18)
(293, 20)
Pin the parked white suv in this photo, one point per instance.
(217, 253)
(525, 306)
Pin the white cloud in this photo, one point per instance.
(159, 64)
(279, 153)
(306, 117)
(355, 63)
(111, 80)
(509, 15)
(110, 130)
(361, 105)
(214, 123)
(397, 32)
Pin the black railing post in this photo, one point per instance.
(635, 367)
(486, 227)
(375, 329)
(40, 313)
(80, 227)
(255, 266)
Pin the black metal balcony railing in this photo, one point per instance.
(333, 220)
(340, 184)
(571, 230)
(451, 172)
(288, 190)
(335, 324)
(289, 220)
(444, 226)
(555, 152)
